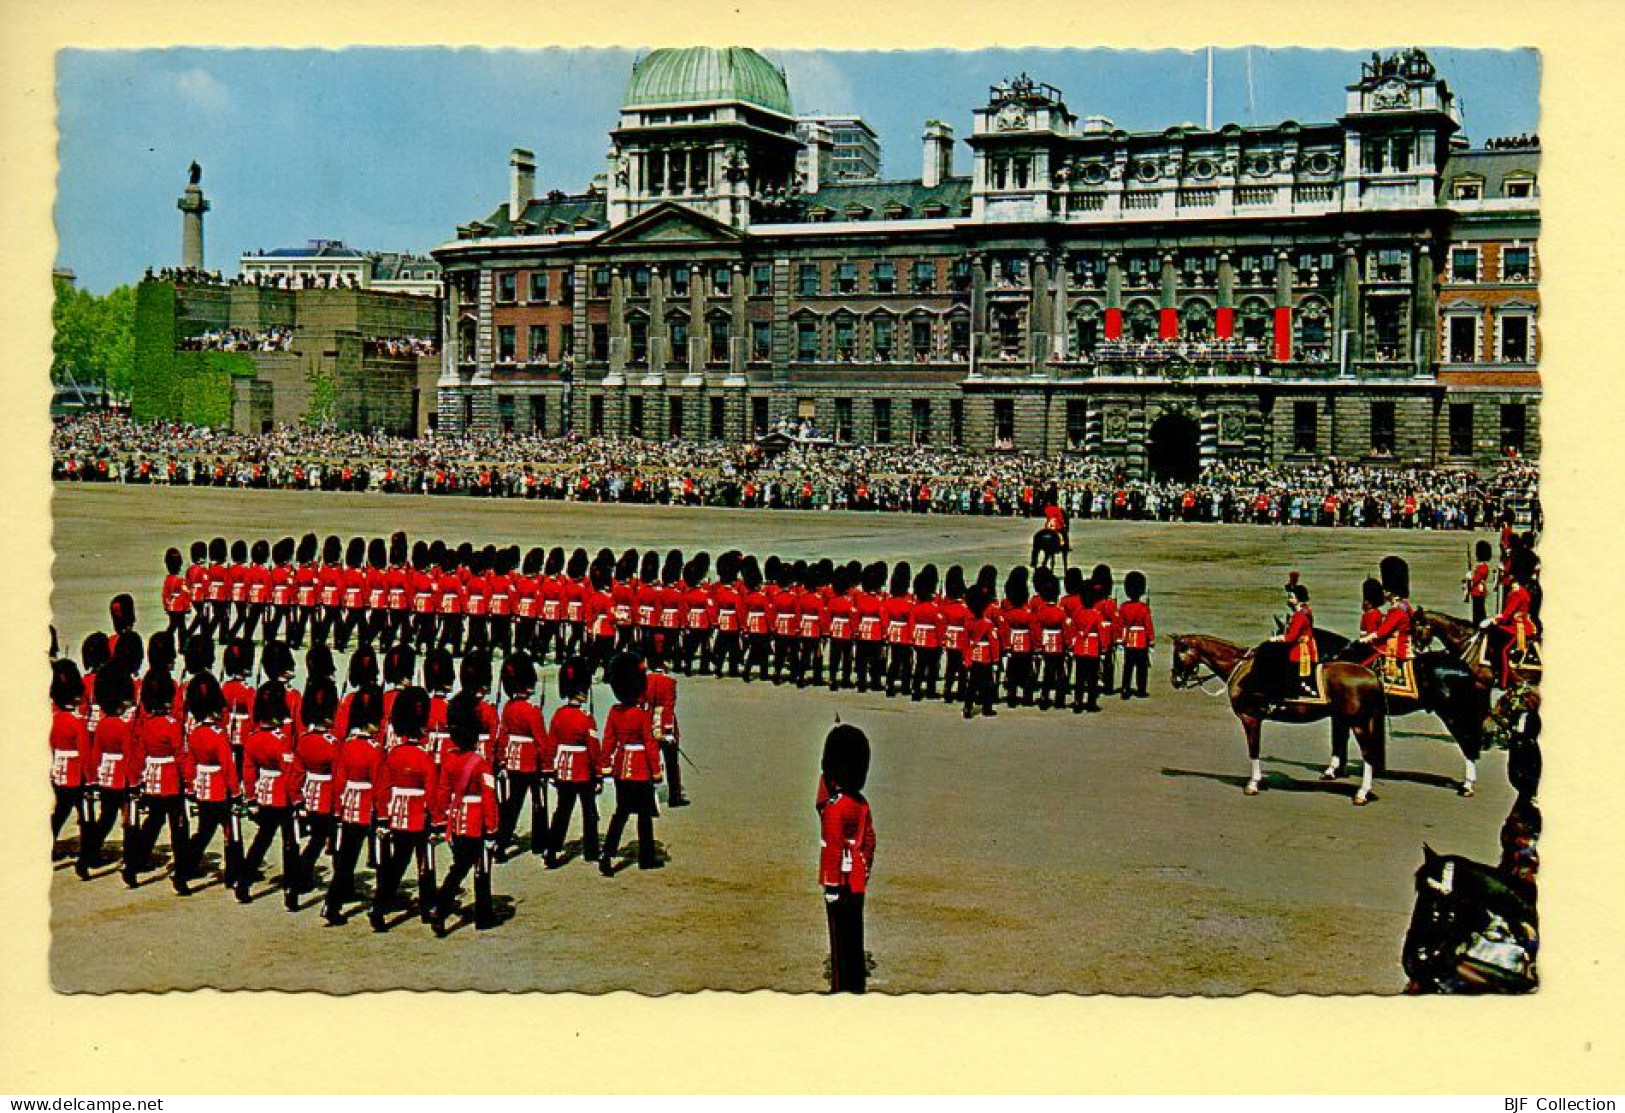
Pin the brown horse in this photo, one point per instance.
(1457, 635)
(1354, 703)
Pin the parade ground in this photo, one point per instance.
(1035, 852)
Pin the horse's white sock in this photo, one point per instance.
(1258, 772)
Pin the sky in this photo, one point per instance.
(390, 149)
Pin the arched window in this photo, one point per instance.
(1314, 329)
(1255, 320)
(1196, 320)
(1142, 320)
(1086, 331)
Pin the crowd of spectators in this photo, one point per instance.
(400, 347)
(815, 476)
(187, 276)
(277, 338)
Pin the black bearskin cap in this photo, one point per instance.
(161, 651)
(1134, 585)
(845, 763)
(901, 575)
(363, 670)
(1395, 575)
(954, 583)
(399, 664)
(217, 550)
(277, 659)
(239, 551)
(282, 551)
(555, 560)
(95, 651)
(332, 550)
(67, 686)
(1102, 575)
(200, 552)
(518, 675)
(577, 565)
(1047, 587)
(439, 671)
(115, 688)
(271, 703)
(977, 599)
(463, 721)
(575, 678)
(728, 566)
(320, 704)
(319, 663)
(239, 658)
(627, 677)
(122, 612)
(203, 698)
(157, 692)
(649, 568)
(874, 577)
(475, 671)
(673, 570)
(1074, 581)
(355, 553)
(172, 561)
(397, 548)
(260, 551)
(1015, 586)
(409, 714)
(199, 653)
(1371, 592)
(366, 709)
(533, 561)
(377, 553)
(306, 551)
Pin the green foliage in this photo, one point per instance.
(170, 385)
(324, 393)
(94, 339)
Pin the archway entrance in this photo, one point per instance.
(1173, 449)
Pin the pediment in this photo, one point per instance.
(670, 222)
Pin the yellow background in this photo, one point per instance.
(1566, 1039)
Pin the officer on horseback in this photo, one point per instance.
(1393, 634)
(1299, 638)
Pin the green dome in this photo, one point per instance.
(689, 74)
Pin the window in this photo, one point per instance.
(679, 282)
(924, 276)
(885, 337)
(505, 343)
(719, 418)
(1077, 422)
(595, 415)
(956, 421)
(1520, 187)
(959, 337)
(567, 287)
(678, 328)
(885, 276)
(1086, 334)
(761, 340)
(1400, 152)
(883, 421)
(758, 415)
(960, 274)
(1464, 264)
(640, 340)
(920, 415)
(1390, 264)
(719, 339)
(1515, 264)
(806, 340)
(634, 415)
(567, 341)
(1254, 322)
(536, 347)
(1313, 334)
(1387, 329)
(761, 279)
(598, 336)
(843, 419)
(920, 337)
(538, 285)
(846, 278)
(1467, 189)
(1304, 430)
(674, 418)
(722, 281)
(538, 415)
(1004, 421)
(1463, 340)
(846, 337)
(1461, 428)
(505, 412)
(507, 286)
(1515, 339)
(640, 281)
(600, 282)
(1382, 428)
(807, 280)
(1513, 430)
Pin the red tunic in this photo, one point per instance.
(1049, 628)
(70, 748)
(115, 752)
(926, 624)
(577, 757)
(1394, 633)
(956, 619)
(316, 754)
(239, 710)
(1107, 609)
(660, 701)
(163, 755)
(1135, 619)
(981, 642)
(758, 613)
(214, 772)
(699, 611)
(846, 842)
(1018, 629)
(810, 616)
(176, 595)
(1300, 636)
(869, 609)
(730, 611)
(413, 792)
(525, 734)
(357, 779)
(839, 618)
(896, 609)
(1086, 639)
(630, 753)
(270, 772)
(467, 796)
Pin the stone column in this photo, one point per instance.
(1424, 302)
(1114, 297)
(1350, 318)
(1038, 322)
(699, 329)
(192, 205)
(1283, 306)
(978, 305)
(1224, 322)
(739, 326)
(659, 338)
(617, 321)
(1060, 341)
(1168, 306)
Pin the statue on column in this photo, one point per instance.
(195, 174)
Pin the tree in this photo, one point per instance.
(94, 340)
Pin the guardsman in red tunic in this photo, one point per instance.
(503, 598)
(306, 591)
(121, 611)
(1106, 607)
(955, 620)
(424, 602)
(256, 589)
(413, 809)
(926, 626)
(573, 629)
(758, 611)
(526, 606)
(163, 777)
(841, 618)
(632, 758)
(1139, 635)
(216, 590)
(660, 702)
(475, 676)
(846, 853)
(329, 616)
(238, 664)
(1049, 634)
(1086, 646)
(271, 781)
(599, 610)
(524, 734)
(197, 588)
(807, 666)
(786, 601)
(114, 762)
(1475, 586)
(550, 602)
(467, 801)
(176, 597)
(70, 748)
(895, 609)
(352, 593)
(237, 587)
(1055, 522)
(1299, 638)
(577, 763)
(400, 673)
(398, 591)
(699, 616)
(728, 646)
(1393, 635)
(439, 677)
(316, 755)
(980, 654)
(623, 592)
(869, 614)
(362, 673)
(374, 623)
(212, 784)
(477, 605)
(1371, 601)
(1514, 627)
(279, 607)
(358, 781)
(1016, 632)
(669, 603)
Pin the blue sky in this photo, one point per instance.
(390, 149)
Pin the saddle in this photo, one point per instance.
(1398, 677)
(1318, 680)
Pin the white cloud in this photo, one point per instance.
(202, 90)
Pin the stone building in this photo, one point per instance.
(854, 148)
(331, 263)
(1166, 298)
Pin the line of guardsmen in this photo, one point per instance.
(385, 766)
(872, 627)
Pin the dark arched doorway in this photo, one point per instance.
(1173, 449)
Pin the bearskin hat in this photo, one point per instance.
(217, 550)
(1134, 585)
(1395, 575)
(122, 612)
(363, 669)
(792, 573)
(749, 573)
(575, 678)
(306, 551)
(200, 552)
(977, 599)
(439, 671)
(1371, 592)
(199, 653)
(282, 551)
(600, 576)
(238, 659)
(1300, 592)
(518, 675)
(332, 550)
(728, 566)
(260, 551)
(157, 692)
(649, 567)
(319, 663)
(840, 580)
(692, 574)
(673, 569)
(627, 676)
(925, 583)
(1047, 587)
(355, 553)
(1074, 581)
(555, 561)
(1015, 586)
(366, 708)
(988, 579)
(420, 555)
(845, 763)
(901, 577)
(485, 559)
(320, 704)
(1482, 550)
(1523, 566)
(699, 569)
(510, 560)
(1291, 581)
(172, 561)
(95, 651)
(409, 714)
(475, 671)
(533, 561)
(1102, 575)
(67, 686)
(203, 699)
(377, 553)
(397, 548)
(437, 553)
(464, 555)
(463, 721)
(239, 551)
(271, 703)
(770, 568)
(954, 582)
(129, 652)
(115, 688)
(161, 651)
(576, 567)
(276, 659)
(400, 663)
(874, 577)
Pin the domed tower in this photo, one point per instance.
(710, 128)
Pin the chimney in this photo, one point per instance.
(523, 188)
(939, 153)
(820, 156)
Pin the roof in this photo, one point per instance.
(697, 74)
(876, 196)
(388, 265)
(324, 251)
(1495, 167)
(544, 214)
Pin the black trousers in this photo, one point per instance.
(727, 651)
(848, 965)
(672, 757)
(757, 648)
(981, 687)
(350, 840)
(953, 676)
(1108, 669)
(524, 636)
(696, 647)
(214, 816)
(178, 629)
(451, 633)
(298, 624)
(899, 667)
(1479, 612)
(1086, 686)
(272, 823)
(502, 633)
(1018, 679)
(520, 787)
(1136, 671)
(633, 798)
(346, 624)
(840, 663)
(927, 667)
(321, 831)
(810, 668)
(112, 805)
(1052, 687)
(468, 854)
(67, 801)
(161, 810)
(401, 847)
(871, 666)
(274, 618)
(568, 793)
(599, 652)
(324, 624)
(548, 641)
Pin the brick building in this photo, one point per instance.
(1163, 298)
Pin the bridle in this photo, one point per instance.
(1185, 679)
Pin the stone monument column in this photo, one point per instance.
(192, 205)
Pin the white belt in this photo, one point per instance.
(67, 753)
(638, 746)
(208, 768)
(520, 738)
(354, 784)
(157, 760)
(319, 778)
(270, 773)
(472, 799)
(404, 791)
(573, 749)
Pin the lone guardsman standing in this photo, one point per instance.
(1476, 585)
(467, 798)
(846, 853)
(632, 757)
(413, 796)
(1139, 635)
(576, 762)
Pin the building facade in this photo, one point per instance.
(331, 263)
(854, 148)
(1166, 299)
